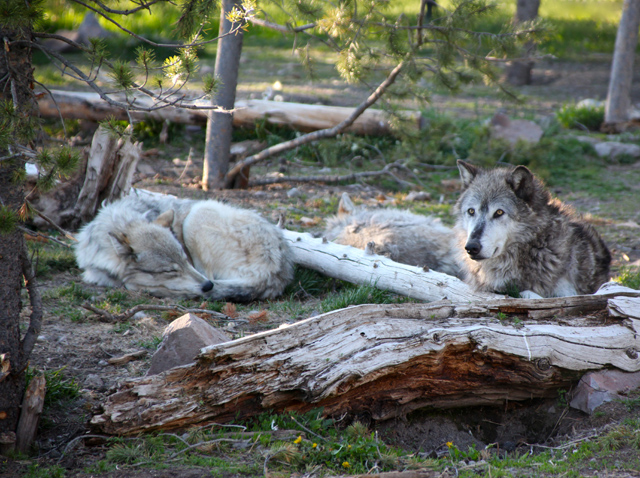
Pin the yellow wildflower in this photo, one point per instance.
(298, 440)
(449, 444)
(346, 464)
(314, 445)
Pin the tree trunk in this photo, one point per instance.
(619, 94)
(386, 361)
(16, 78)
(220, 125)
(519, 72)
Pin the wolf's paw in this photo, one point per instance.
(529, 294)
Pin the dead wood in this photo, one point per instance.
(31, 409)
(299, 116)
(328, 132)
(127, 357)
(383, 360)
(105, 176)
(362, 267)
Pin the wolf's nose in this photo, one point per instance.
(473, 248)
(207, 286)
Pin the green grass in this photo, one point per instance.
(360, 294)
(59, 389)
(50, 258)
(629, 277)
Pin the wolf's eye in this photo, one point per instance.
(498, 213)
(471, 211)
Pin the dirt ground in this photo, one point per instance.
(83, 347)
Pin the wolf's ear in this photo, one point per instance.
(346, 206)
(468, 172)
(165, 219)
(521, 181)
(121, 243)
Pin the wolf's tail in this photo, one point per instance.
(239, 291)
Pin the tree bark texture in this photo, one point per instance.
(220, 125)
(519, 72)
(16, 78)
(619, 94)
(381, 360)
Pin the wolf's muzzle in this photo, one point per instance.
(473, 248)
(207, 286)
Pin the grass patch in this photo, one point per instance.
(60, 389)
(629, 277)
(581, 117)
(356, 295)
(50, 258)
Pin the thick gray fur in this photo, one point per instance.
(174, 247)
(513, 235)
(400, 235)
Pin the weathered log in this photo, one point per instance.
(362, 267)
(299, 116)
(31, 409)
(105, 176)
(383, 360)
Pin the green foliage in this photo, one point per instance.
(8, 220)
(629, 277)
(59, 388)
(51, 257)
(36, 471)
(122, 75)
(581, 117)
(356, 295)
(307, 282)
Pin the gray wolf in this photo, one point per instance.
(174, 247)
(402, 236)
(514, 236)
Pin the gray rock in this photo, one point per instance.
(93, 382)
(181, 343)
(596, 388)
(613, 149)
(294, 193)
(514, 130)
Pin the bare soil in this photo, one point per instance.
(83, 347)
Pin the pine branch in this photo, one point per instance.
(316, 135)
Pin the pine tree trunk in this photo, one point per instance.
(519, 72)
(219, 126)
(16, 77)
(619, 94)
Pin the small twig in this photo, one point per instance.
(127, 314)
(66, 233)
(306, 429)
(45, 236)
(186, 166)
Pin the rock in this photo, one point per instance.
(294, 193)
(514, 130)
(596, 388)
(93, 381)
(613, 149)
(418, 196)
(181, 343)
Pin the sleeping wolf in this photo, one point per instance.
(516, 236)
(183, 248)
(400, 235)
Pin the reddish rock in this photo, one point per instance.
(182, 340)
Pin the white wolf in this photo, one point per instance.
(516, 236)
(400, 235)
(184, 248)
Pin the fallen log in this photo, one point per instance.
(363, 267)
(299, 116)
(382, 360)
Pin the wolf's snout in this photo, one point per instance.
(207, 286)
(473, 248)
